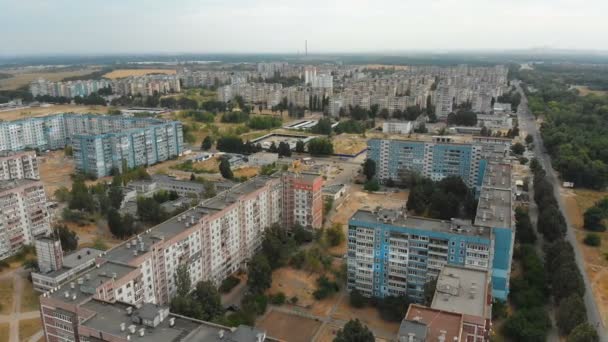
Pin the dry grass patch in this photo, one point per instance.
(121, 73)
(349, 143)
(247, 171)
(29, 297)
(4, 331)
(55, 170)
(24, 77)
(6, 295)
(22, 113)
(29, 327)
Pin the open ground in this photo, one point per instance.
(49, 110)
(120, 73)
(350, 144)
(596, 258)
(584, 91)
(22, 77)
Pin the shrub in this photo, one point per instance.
(593, 240)
(228, 284)
(325, 288)
(277, 299)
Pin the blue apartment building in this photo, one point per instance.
(436, 160)
(391, 253)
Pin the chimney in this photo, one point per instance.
(123, 326)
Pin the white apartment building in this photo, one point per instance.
(397, 127)
(23, 214)
(18, 165)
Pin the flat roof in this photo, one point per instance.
(396, 218)
(494, 208)
(15, 183)
(230, 196)
(75, 259)
(108, 317)
(462, 290)
(437, 322)
(96, 276)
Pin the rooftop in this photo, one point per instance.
(75, 291)
(397, 218)
(494, 208)
(437, 323)
(463, 291)
(15, 183)
(77, 258)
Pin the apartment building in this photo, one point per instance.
(436, 159)
(213, 239)
(68, 89)
(100, 142)
(49, 275)
(302, 200)
(23, 214)
(18, 165)
(397, 127)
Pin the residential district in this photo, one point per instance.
(427, 196)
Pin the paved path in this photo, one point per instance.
(527, 122)
(18, 275)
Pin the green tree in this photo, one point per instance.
(529, 139)
(369, 168)
(354, 331)
(593, 219)
(183, 283)
(300, 146)
(80, 198)
(115, 196)
(372, 185)
(225, 169)
(518, 148)
(150, 211)
(323, 126)
(260, 274)
(357, 300)
(391, 308)
(583, 332)
(207, 295)
(592, 240)
(334, 235)
(320, 146)
(207, 143)
(68, 238)
(570, 313)
(284, 150)
(528, 325)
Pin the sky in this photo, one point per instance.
(34, 27)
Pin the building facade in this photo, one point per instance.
(435, 160)
(23, 214)
(21, 165)
(302, 200)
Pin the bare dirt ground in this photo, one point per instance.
(52, 109)
(137, 72)
(368, 316)
(23, 77)
(349, 143)
(584, 91)
(288, 327)
(55, 170)
(596, 258)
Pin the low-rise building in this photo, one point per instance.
(71, 265)
(397, 127)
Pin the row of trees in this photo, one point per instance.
(563, 277)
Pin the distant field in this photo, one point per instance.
(43, 111)
(386, 66)
(25, 77)
(137, 72)
(584, 91)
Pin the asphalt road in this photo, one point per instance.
(527, 122)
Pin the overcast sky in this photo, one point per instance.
(216, 26)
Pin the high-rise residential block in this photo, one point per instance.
(18, 165)
(23, 214)
(48, 253)
(302, 200)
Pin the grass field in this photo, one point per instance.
(6, 295)
(28, 327)
(29, 298)
(24, 77)
(54, 109)
(4, 332)
(120, 73)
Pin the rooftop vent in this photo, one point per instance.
(132, 328)
(142, 332)
(129, 311)
(72, 285)
(171, 321)
(123, 326)
(220, 334)
(80, 281)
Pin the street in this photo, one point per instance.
(527, 123)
